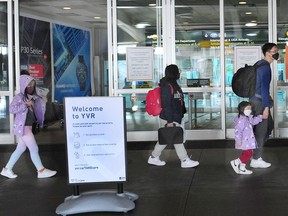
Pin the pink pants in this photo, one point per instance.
(27, 140)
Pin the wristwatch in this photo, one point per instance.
(81, 72)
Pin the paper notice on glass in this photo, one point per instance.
(246, 55)
(96, 139)
(140, 66)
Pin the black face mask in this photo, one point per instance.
(275, 56)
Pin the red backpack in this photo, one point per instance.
(153, 101)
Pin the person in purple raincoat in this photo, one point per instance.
(244, 137)
(28, 108)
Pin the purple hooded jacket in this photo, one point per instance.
(20, 109)
(244, 135)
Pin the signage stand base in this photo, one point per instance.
(98, 201)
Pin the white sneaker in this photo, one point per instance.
(46, 173)
(243, 170)
(259, 163)
(188, 163)
(156, 161)
(235, 165)
(8, 173)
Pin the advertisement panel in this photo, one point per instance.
(72, 60)
(35, 52)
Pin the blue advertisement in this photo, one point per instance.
(71, 51)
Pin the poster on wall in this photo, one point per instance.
(140, 64)
(96, 139)
(35, 54)
(72, 62)
(246, 55)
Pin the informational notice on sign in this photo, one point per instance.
(140, 64)
(96, 139)
(246, 55)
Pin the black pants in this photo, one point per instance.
(263, 129)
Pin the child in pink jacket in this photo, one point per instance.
(28, 107)
(244, 137)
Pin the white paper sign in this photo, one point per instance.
(96, 139)
(140, 66)
(246, 55)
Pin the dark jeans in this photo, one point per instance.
(261, 130)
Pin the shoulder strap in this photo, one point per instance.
(264, 62)
(171, 87)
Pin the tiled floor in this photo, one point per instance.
(212, 189)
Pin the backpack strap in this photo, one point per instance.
(256, 65)
(264, 62)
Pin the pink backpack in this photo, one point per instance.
(153, 101)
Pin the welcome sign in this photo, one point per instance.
(96, 139)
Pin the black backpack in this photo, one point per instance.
(244, 80)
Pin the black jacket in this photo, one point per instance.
(172, 101)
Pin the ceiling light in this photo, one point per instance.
(66, 8)
(142, 25)
(253, 21)
(242, 2)
(251, 34)
(248, 13)
(250, 24)
(152, 5)
(97, 17)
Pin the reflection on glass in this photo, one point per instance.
(241, 29)
(141, 31)
(282, 66)
(203, 110)
(137, 118)
(197, 41)
(3, 48)
(4, 115)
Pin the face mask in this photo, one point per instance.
(275, 56)
(247, 112)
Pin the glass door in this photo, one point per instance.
(198, 55)
(170, 28)
(246, 29)
(6, 69)
(201, 38)
(142, 32)
(281, 75)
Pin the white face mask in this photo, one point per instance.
(247, 112)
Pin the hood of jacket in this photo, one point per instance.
(24, 82)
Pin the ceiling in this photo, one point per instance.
(190, 15)
(82, 11)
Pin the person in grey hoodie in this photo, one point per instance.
(28, 108)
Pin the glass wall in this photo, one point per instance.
(209, 35)
(142, 30)
(246, 26)
(3, 47)
(197, 43)
(4, 73)
(282, 72)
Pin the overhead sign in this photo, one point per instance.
(96, 139)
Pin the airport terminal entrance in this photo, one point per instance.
(208, 42)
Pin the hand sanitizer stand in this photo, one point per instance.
(77, 130)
